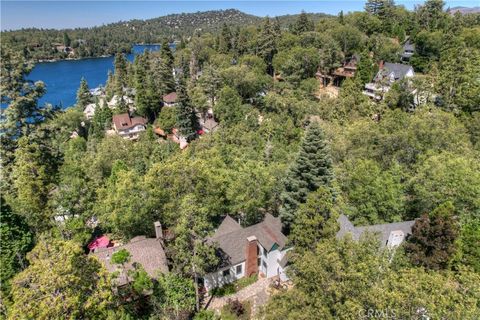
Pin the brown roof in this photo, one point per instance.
(170, 98)
(231, 238)
(124, 121)
(146, 251)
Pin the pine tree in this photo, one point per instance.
(187, 117)
(311, 170)
(166, 53)
(433, 240)
(84, 96)
(224, 40)
(121, 79)
(267, 44)
(374, 6)
(316, 220)
(303, 24)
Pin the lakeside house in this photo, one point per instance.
(128, 127)
(257, 249)
(388, 74)
(390, 234)
(89, 110)
(148, 252)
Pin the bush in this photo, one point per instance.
(205, 315)
(236, 307)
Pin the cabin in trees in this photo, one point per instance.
(128, 127)
(170, 100)
(347, 70)
(390, 234)
(408, 51)
(147, 252)
(388, 74)
(257, 249)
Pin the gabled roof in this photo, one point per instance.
(231, 238)
(383, 230)
(124, 121)
(170, 98)
(399, 71)
(146, 251)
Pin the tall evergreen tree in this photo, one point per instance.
(84, 96)
(303, 24)
(225, 39)
(311, 170)
(187, 117)
(267, 44)
(432, 243)
(121, 79)
(31, 184)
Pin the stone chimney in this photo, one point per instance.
(251, 255)
(380, 65)
(158, 230)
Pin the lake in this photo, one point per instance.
(62, 78)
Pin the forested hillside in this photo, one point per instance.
(285, 145)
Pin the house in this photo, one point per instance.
(89, 110)
(390, 234)
(347, 70)
(170, 100)
(128, 127)
(148, 252)
(408, 51)
(388, 74)
(257, 249)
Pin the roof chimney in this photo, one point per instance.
(251, 254)
(158, 230)
(380, 65)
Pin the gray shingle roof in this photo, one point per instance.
(146, 251)
(232, 241)
(399, 71)
(383, 230)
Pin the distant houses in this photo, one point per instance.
(127, 126)
(387, 75)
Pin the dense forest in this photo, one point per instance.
(47, 44)
(284, 146)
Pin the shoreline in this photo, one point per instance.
(96, 57)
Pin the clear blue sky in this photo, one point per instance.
(69, 14)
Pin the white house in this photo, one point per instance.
(89, 110)
(257, 249)
(388, 74)
(128, 127)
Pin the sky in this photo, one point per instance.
(71, 14)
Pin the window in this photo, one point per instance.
(226, 273)
(265, 265)
(259, 261)
(238, 269)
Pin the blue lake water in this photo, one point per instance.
(62, 78)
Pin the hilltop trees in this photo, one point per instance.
(312, 169)
(303, 24)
